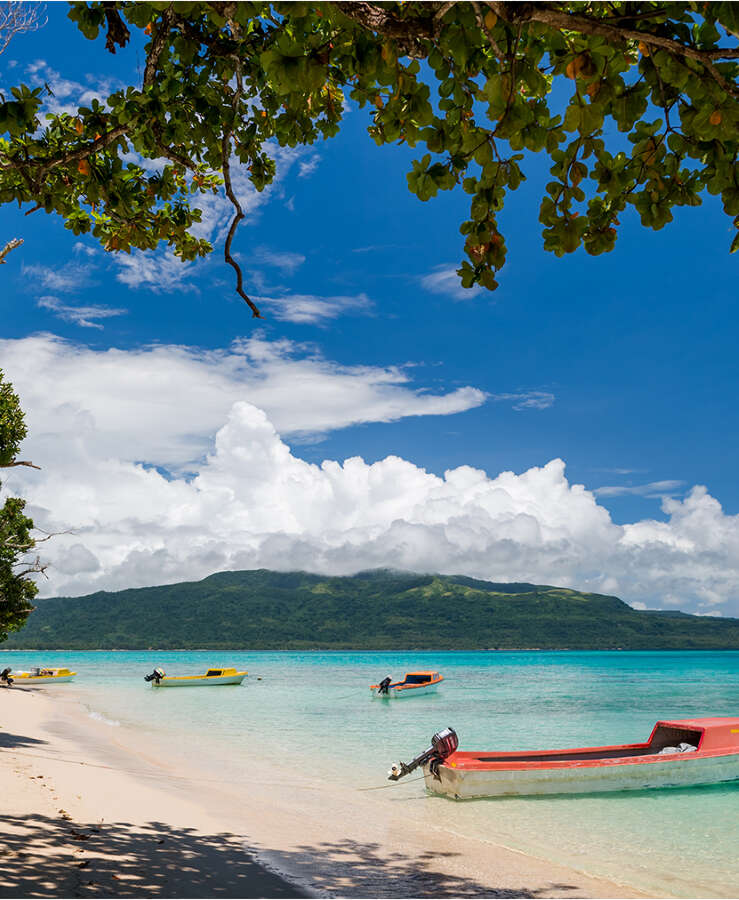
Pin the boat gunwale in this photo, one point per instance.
(476, 761)
(198, 677)
(402, 686)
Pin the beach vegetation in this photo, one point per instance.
(633, 106)
(17, 588)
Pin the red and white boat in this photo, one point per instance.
(679, 753)
(412, 685)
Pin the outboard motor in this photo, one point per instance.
(384, 685)
(443, 744)
(5, 676)
(156, 675)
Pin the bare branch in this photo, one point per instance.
(18, 18)
(239, 214)
(11, 245)
(19, 462)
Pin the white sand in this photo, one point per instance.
(137, 822)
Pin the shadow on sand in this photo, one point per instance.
(368, 870)
(47, 857)
(8, 740)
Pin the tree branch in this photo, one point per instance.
(19, 462)
(539, 12)
(157, 45)
(118, 33)
(11, 245)
(410, 34)
(239, 214)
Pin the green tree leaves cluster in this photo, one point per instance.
(651, 118)
(16, 541)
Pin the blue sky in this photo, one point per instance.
(624, 365)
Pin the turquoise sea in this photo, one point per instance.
(313, 712)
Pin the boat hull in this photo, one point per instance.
(671, 771)
(410, 691)
(41, 679)
(199, 681)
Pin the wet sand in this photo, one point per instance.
(95, 810)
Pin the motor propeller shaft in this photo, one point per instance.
(443, 744)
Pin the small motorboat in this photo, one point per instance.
(41, 675)
(679, 753)
(413, 684)
(159, 678)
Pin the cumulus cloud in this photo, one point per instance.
(101, 422)
(85, 316)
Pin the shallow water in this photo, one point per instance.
(313, 713)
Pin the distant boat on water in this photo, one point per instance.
(413, 684)
(679, 753)
(159, 678)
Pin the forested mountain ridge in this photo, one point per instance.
(380, 609)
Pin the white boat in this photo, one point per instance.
(42, 675)
(159, 678)
(679, 753)
(412, 685)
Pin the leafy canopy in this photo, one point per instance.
(650, 120)
(16, 588)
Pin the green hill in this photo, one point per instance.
(260, 610)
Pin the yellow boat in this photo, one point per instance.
(42, 675)
(159, 678)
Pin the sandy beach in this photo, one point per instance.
(88, 812)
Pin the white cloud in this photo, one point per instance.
(444, 280)
(528, 399)
(79, 315)
(284, 260)
(157, 271)
(308, 309)
(164, 404)
(68, 95)
(84, 250)
(67, 278)
(308, 166)
(653, 489)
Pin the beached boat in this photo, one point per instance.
(159, 678)
(413, 684)
(42, 675)
(679, 753)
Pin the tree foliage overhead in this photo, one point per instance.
(16, 540)
(634, 104)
